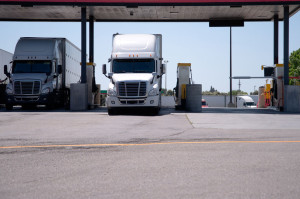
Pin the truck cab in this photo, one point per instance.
(136, 71)
(245, 102)
(35, 74)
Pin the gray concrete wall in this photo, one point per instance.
(79, 97)
(212, 100)
(194, 97)
(292, 98)
(222, 101)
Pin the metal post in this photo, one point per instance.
(276, 39)
(230, 100)
(166, 80)
(286, 45)
(91, 37)
(83, 45)
(91, 51)
(286, 56)
(166, 62)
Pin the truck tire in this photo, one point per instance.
(8, 107)
(50, 106)
(155, 111)
(28, 106)
(67, 100)
(111, 111)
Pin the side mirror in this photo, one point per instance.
(109, 75)
(154, 74)
(5, 71)
(104, 69)
(59, 69)
(163, 69)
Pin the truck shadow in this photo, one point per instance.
(148, 112)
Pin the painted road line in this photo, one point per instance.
(146, 144)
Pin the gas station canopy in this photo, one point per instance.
(145, 10)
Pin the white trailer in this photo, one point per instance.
(42, 71)
(136, 71)
(5, 59)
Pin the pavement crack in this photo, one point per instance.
(188, 119)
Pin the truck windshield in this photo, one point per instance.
(250, 104)
(133, 66)
(31, 67)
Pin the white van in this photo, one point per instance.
(244, 102)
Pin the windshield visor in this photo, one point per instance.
(32, 67)
(133, 66)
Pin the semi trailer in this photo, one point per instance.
(136, 71)
(5, 59)
(42, 71)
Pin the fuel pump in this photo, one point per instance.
(184, 77)
(274, 95)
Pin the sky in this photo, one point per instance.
(206, 48)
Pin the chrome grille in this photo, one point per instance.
(27, 87)
(132, 89)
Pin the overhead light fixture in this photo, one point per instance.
(132, 6)
(236, 6)
(226, 23)
(27, 5)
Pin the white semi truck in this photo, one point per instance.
(42, 71)
(245, 102)
(136, 71)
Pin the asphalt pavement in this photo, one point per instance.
(219, 153)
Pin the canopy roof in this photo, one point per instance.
(145, 10)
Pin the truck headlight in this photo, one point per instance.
(46, 90)
(111, 92)
(9, 90)
(153, 91)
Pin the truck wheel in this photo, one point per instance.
(111, 111)
(67, 100)
(8, 107)
(28, 106)
(155, 111)
(50, 106)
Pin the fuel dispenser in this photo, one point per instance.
(184, 77)
(274, 94)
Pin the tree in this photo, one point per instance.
(254, 93)
(294, 67)
(238, 92)
(169, 93)
(212, 89)
(165, 92)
